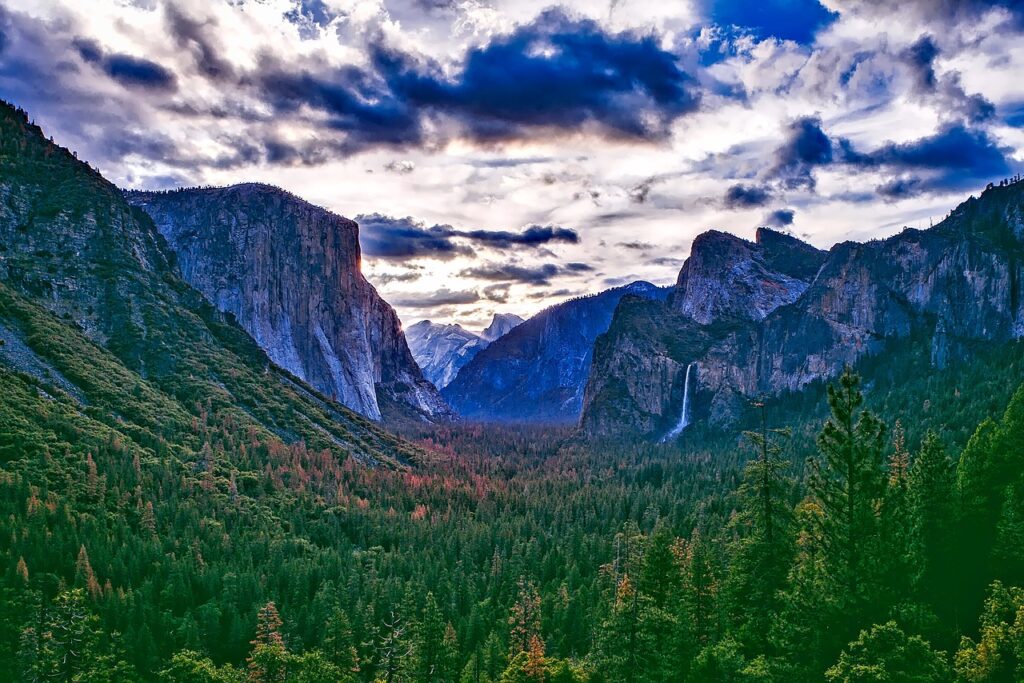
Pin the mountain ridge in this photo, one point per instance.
(537, 372)
(80, 267)
(442, 351)
(289, 272)
(954, 284)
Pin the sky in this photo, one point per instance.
(504, 155)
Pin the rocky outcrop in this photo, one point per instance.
(81, 269)
(537, 372)
(442, 350)
(764, 318)
(726, 276)
(501, 324)
(289, 272)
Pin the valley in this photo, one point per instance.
(223, 457)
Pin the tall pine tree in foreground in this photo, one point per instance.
(762, 552)
(848, 481)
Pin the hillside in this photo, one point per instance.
(537, 372)
(78, 261)
(289, 274)
(752, 330)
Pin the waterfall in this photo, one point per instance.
(684, 418)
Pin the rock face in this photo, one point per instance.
(729, 276)
(442, 350)
(81, 269)
(537, 372)
(289, 272)
(501, 324)
(760, 319)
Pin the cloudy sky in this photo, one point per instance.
(503, 155)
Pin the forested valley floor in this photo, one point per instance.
(515, 554)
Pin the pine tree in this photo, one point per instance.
(763, 549)
(660, 574)
(524, 618)
(70, 637)
(700, 591)
(885, 653)
(339, 644)
(803, 633)
(430, 655)
(932, 514)
(849, 482)
(998, 656)
(268, 660)
(393, 649)
(535, 660)
(899, 551)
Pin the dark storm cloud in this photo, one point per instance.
(497, 293)
(440, 297)
(797, 20)
(540, 275)
(555, 73)
(937, 11)
(921, 58)
(193, 35)
(126, 69)
(947, 91)
(533, 235)
(961, 156)
(387, 278)
(746, 196)
(355, 104)
(901, 188)
(401, 239)
(513, 272)
(780, 218)
(806, 146)
(636, 245)
(956, 157)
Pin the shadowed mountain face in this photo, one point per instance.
(93, 309)
(773, 316)
(442, 350)
(537, 372)
(290, 274)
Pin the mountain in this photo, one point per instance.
(289, 273)
(95, 316)
(442, 350)
(764, 318)
(501, 324)
(537, 372)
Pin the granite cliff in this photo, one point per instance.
(95, 316)
(289, 272)
(775, 315)
(442, 350)
(537, 372)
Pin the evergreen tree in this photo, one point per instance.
(339, 643)
(885, 653)
(70, 638)
(899, 552)
(763, 549)
(268, 660)
(432, 656)
(660, 575)
(932, 512)
(998, 654)
(524, 618)
(849, 482)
